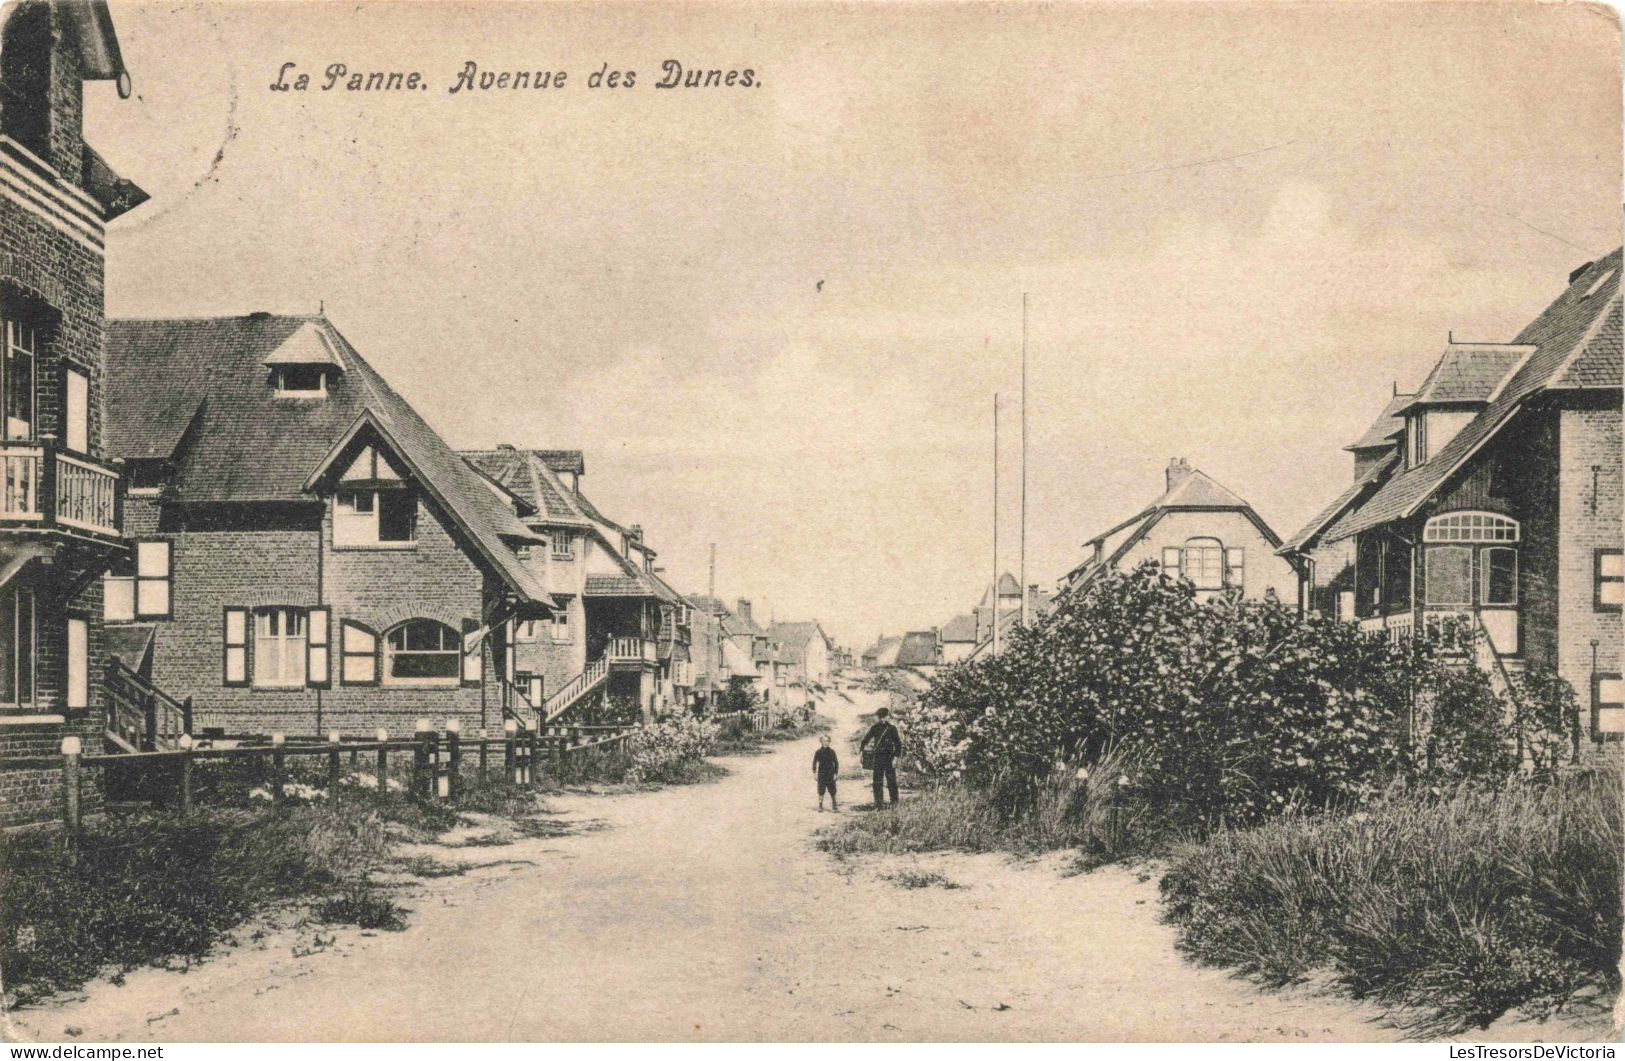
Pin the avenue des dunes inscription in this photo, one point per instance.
(471, 78)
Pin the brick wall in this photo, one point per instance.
(294, 564)
(1589, 507)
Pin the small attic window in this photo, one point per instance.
(300, 381)
(1601, 280)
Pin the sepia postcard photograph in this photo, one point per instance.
(880, 521)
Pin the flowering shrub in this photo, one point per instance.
(293, 791)
(1238, 710)
(661, 750)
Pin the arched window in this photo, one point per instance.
(422, 652)
(1471, 527)
(1202, 561)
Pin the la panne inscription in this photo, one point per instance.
(470, 78)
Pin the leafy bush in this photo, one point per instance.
(1464, 905)
(665, 750)
(1239, 710)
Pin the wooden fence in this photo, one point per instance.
(438, 760)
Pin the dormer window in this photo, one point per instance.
(305, 365)
(1416, 436)
(300, 381)
(374, 508)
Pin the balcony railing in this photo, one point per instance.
(40, 486)
(630, 650)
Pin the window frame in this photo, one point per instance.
(562, 546)
(1428, 554)
(279, 382)
(319, 647)
(11, 698)
(70, 372)
(346, 654)
(1206, 546)
(560, 620)
(167, 578)
(126, 581)
(1597, 678)
(11, 328)
(1599, 580)
(372, 519)
(388, 653)
(1482, 561)
(286, 640)
(1235, 567)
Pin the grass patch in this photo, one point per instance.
(360, 904)
(1458, 909)
(913, 879)
(153, 889)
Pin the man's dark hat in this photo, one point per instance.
(883, 712)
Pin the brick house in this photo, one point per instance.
(958, 638)
(60, 519)
(1197, 530)
(621, 635)
(308, 554)
(1500, 511)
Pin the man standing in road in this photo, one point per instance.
(888, 745)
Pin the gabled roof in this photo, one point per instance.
(960, 628)
(1389, 423)
(799, 635)
(308, 345)
(919, 649)
(1468, 374)
(1196, 492)
(1574, 339)
(1362, 487)
(195, 392)
(631, 584)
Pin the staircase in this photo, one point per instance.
(140, 716)
(577, 689)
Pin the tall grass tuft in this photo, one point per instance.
(1460, 907)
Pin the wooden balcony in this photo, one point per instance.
(44, 489)
(630, 652)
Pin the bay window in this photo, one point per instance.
(1450, 575)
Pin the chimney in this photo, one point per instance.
(637, 532)
(743, 609)
(1178, 469)
(505, 446)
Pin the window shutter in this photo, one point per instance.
(1235, 572)
(78, 665)
(473, 661)
(234, 638)
(319, 648)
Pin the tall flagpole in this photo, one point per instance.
(995, 590)
(1023, 568)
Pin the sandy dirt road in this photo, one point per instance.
(705, 912)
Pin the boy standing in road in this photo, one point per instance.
(826, 767)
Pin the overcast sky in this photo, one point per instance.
(774, 317)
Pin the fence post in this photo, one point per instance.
(71, 749)
(185, 741)
(333, 765)
(535, 770)
(382, 736)
(422, 778)
(485, 752)
(509, 728)
(277, 774)
(454, 757)
(149, 723)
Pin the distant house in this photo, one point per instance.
(919, 650)
(883, 653)
(958, 638)
(309, 555)
(1196, 530)
(807, 650)
(1499, 509)
(620, 634)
